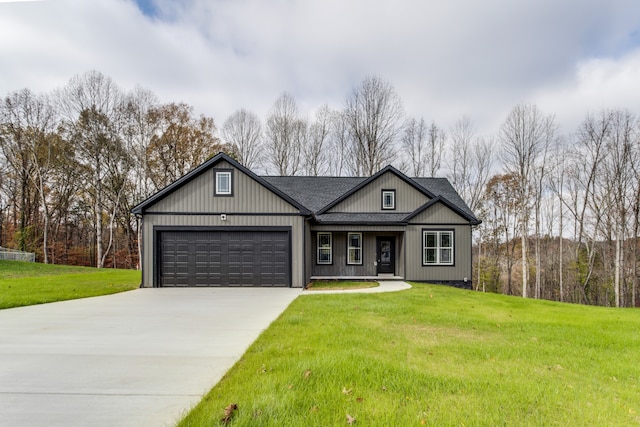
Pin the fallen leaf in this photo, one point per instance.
(314, 409)
(384, 388)
(350, 419)
(290, 386)
(228, 413)
(346, 391)
(307, 373)
(423, 422)
(359, 399)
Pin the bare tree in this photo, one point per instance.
(243, 131)
(339, 148)
(414, 144)
(316, 156)
(285, 135)
(523, 136)
(435, 147)
(469, 173)
(91, 105)
(374, 114)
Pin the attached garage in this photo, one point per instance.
(223, 257)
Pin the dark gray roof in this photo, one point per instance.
(316, 192)
(313, 192)
(442, 187)
(362, 218)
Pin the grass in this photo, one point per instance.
(26, 283)
(326, 285)
(436, 356)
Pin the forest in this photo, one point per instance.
(560, 212)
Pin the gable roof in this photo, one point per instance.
(373, 177)
(139, 209)
(439, 199)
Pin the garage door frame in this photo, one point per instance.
(158, 229)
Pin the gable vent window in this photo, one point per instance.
(224, 183)
(388, 199)
(437, 247)
(324, 248)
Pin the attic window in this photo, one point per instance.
(224, 183)
(389, 199)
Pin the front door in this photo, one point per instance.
(385, 248)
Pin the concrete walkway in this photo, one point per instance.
(385, 286)
(139, 358)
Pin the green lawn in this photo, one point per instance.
(26, 283)
(436, 356)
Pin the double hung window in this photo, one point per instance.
(437, 247)
(354, 248)
(324, 248)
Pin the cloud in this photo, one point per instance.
(445, 59)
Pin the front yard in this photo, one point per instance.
(27, 283)
(434, 355)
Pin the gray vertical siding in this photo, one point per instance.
(295, 222)
(438, 213)
(197, 196)
(369, 198)
(462, 254)
(339, 267)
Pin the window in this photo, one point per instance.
(437, 247)
(324, 248)
(354, 248)
(224, 183)
(388, 199)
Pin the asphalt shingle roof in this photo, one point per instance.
(316, 192)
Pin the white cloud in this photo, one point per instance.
(445, 59)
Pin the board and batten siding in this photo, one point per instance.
(438, 213)
(196, 196)
(176, 220)
(339, 266)
(462, 255)
(369, 198)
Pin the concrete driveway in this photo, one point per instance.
(139, 358)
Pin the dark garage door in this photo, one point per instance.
(224, 258)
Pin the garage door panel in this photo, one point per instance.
(224, 258)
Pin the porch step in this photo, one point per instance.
(378, 277)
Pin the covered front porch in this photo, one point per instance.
(352, 252)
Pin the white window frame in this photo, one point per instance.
(392, 205)
(326, 249)
(224, 191)
(439, 249)
(355, 250)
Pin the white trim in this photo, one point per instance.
(223, 191)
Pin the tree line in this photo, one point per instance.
(560, 213)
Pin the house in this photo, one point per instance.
(223, 225)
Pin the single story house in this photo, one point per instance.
(223, 225)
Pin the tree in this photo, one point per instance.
(316, 153)
(27, 140)
(285, 136)
(92, 107)
(181, 142)
(243, 131)
(524, 136)
(374, 113)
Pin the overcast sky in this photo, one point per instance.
(445, 59)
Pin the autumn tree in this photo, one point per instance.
(181, 142)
